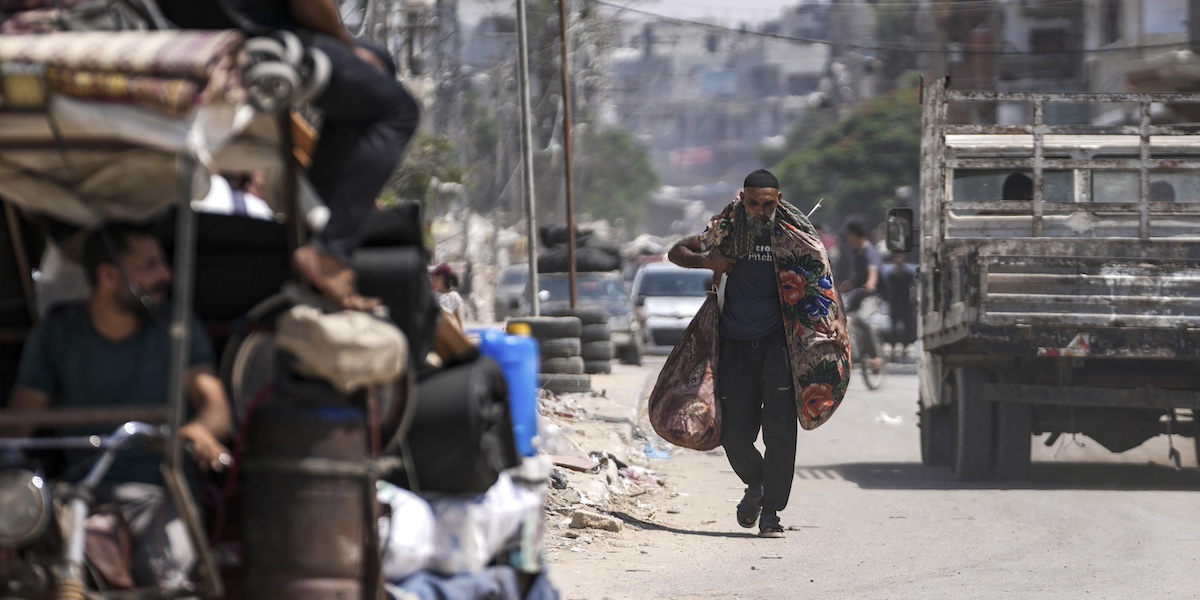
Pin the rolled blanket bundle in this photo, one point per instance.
(167, 70)
(175, 96)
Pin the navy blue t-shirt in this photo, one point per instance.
(752, 296)
(67, 359)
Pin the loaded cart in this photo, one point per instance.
(137, 126)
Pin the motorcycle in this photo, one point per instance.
(43, 532)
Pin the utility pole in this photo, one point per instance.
(568, 162)
(527, 154)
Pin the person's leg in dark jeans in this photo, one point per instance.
(738, 376)
(369, 119)
(779, 429)
(740, 391)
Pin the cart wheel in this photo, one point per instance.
(264, 49)
(314, 75)
(270, 85)
(294, 48)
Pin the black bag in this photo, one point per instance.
(462, 433)
(398, 277)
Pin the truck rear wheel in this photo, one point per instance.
(1014, 421)
(972, 418)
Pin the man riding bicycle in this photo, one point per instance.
(860, 291)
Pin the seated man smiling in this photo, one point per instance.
(114, 350)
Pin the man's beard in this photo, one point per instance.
(760, 225)
(134, 304)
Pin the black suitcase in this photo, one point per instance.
(462, 433)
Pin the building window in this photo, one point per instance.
(1165, 16)
(1110, 26)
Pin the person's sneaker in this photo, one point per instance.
(750, 506)
(768, 525)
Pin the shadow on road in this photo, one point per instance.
(636, 522)
(1044, 476)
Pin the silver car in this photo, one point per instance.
(667, 296)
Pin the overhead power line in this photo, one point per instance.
(900, 47)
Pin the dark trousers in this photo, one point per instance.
(369, 119)
(755, 383)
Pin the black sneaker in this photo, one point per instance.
(750, 506)
(768, 525)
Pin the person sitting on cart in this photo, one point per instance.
(368, 119)
(115, 350)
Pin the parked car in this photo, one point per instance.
(605, 289)
(667, 296)
(510, 291)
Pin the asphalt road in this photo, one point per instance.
(869, 521)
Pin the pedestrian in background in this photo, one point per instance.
(444, 282)
(901, 288)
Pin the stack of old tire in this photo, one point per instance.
(562, 365)
(595, 337)
(592, 254)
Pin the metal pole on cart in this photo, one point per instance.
(527, 155)
(180, 336)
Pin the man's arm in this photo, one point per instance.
(689, 252)
(24, 398)
(322, 16)
(213, 418)
(872, 283)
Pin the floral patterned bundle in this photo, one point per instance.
(683, 406)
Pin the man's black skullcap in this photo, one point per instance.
(761, 178)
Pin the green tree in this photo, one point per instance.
(857, 163)
(428, 156)
(613, 175)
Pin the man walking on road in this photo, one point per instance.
(784, 351)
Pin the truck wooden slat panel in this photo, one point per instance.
(1057, 164)
(1074, 291)
(1078, 320)
(1022, 207)
(1072, 97)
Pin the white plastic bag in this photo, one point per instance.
(470, 532)
(408, 535)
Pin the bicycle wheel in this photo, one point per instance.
(871, 377)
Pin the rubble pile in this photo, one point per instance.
(602, 475)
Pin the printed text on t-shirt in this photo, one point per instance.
(761, 252)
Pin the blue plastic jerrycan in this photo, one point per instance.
(518, 357)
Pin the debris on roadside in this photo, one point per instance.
(586, 519)
(601, 459)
